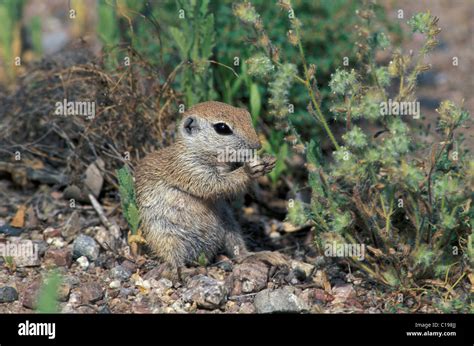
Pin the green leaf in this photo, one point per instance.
(133, 218)
(202, 259)
(184, 45)
(107, 25)
(255, 102)
(208, 36)
(297, 214)
(280, 165)
(47, 299)
(391, 278)
(127, 197)
(125, 179)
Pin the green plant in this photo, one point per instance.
(35, 30)
(277, 147)
(411, 213)
(202, 260)
(456, 306)
(10, 40)
(107, 26)
(122, 24)
(195, 39)
(128, 200)
(47, 297)
(10, 263)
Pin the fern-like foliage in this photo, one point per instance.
(127, 197)
(195, 38)
(412, 211)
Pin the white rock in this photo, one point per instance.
(115, 284)
(56, 242)
(83, 262)
(304, 267)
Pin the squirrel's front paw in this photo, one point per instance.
(260, 166)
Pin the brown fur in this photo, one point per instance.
(182, 190)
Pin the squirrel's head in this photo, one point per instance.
(214, 127)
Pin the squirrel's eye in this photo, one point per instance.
(222, 129)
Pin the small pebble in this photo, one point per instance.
(83, 262)
(85, 246)
(8, 294)
(121, 273)
(114, 284)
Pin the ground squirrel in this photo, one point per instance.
(183, 190)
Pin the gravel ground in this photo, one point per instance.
(98, 274)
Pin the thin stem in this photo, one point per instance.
(307, 83)
(400, 92)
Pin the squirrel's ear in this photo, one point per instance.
(190, 126)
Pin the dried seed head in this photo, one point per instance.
(311, 71)
(311, 168)
(299, 148)
(292, 38)
(431, 43)
(264, 41)
(258, 25)
(340, 109)
(424, 68)
(296, 23)
(366, 14)
(282, 126)
(246, 12)
(285, 4)
(291, 139)
(275, 54)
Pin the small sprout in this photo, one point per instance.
(451, 115)
(372, 155)
(369, 106)
(202, 259)
(260, 66)
(342, 82)
(47, 298)
(297, 214)
(383, 76)
(423, 256)
(421, 22)
(355, 138)
(446, 187)
(246, 13)
(342, 154)
(398, 142)
(127, 197)
(379, 40)
(340, 222)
